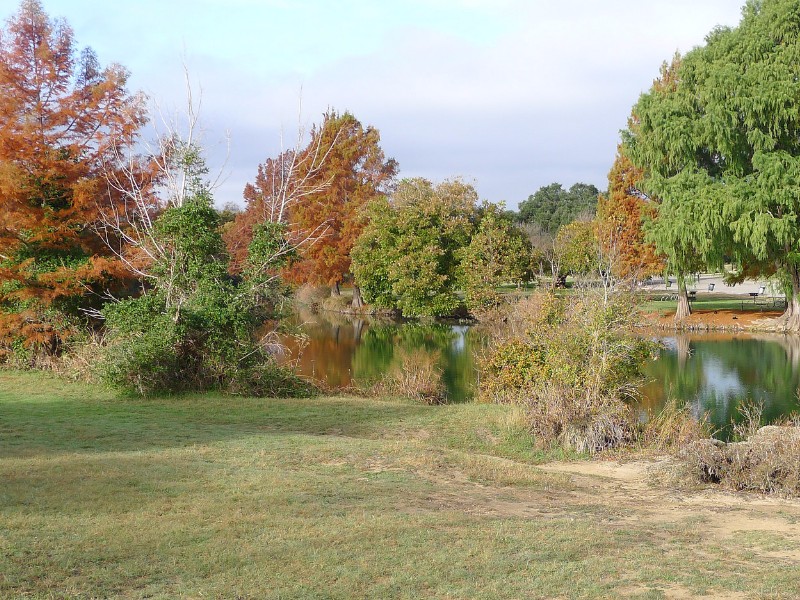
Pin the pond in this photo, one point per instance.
(712, 372)
(715, 373)
(341, 352)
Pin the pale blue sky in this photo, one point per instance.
(509, 94)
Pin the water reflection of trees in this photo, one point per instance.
(716, 374)
(384, 346)
(342, 351)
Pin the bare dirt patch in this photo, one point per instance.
(717, 319)
(638, 487)
(620, 493)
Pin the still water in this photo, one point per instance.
(714, 373)
(711, 372)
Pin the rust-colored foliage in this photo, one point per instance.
(620, 215)
(63, 120)
(266, 201)
(321, 193)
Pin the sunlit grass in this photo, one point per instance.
(205, 496)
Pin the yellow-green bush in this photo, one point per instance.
(573, 363)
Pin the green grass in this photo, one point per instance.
(210, 497)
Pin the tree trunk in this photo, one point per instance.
(684, 308)
(791, 318)
(335, 291)
(683, 348)
(358, 301)
(358, 328)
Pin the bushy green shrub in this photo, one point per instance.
(572, 362)
(193, 329)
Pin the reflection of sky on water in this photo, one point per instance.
(669, 343)
(724, 382)
(459, 342)
(715, 374)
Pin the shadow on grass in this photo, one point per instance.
(41, 415)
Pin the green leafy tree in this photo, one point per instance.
(718, 142)
(498, 253)
(408, 255)
(552, 206)
(576, 248)
(686, 227)
(193, 327)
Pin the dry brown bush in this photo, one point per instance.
(312, 296)
(672, 429)
(576, 420)
(768, 461)
(338, 304)
(414, 374)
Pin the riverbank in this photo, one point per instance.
(341, 497)
(716, 320)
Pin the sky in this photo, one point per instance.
(509, 95)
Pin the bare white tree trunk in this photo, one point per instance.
(163, 178)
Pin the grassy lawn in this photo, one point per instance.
(210, 497)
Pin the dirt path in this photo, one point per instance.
(642, 488)
(719, 319)
(744, 531)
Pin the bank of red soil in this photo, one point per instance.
(716, 320)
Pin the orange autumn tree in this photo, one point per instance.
(620, 216)
(280, 182)
(354, 172)
(318, 193)
(63, 120)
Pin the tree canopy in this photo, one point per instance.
(334, 177)
(717, 140)
(408, 254)
(552, 206)
(621, 214)
(64, 120)
(498, 253)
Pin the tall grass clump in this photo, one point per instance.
(673, 428)
(415, 374)
(573, 364)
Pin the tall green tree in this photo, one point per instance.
(718, 142)
(498, 253)
(577, 248)
(552, 206)
(407, 257)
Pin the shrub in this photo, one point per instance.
(193, 329)
(768, 461)
(415, 374)
(573, 363)
(312, 295)
(673, 428)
